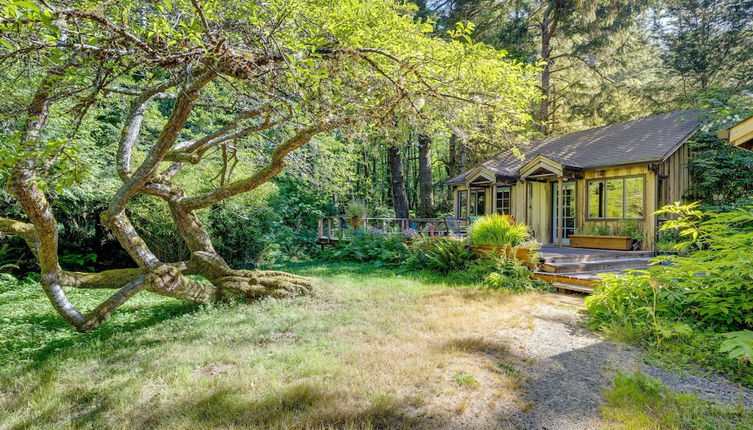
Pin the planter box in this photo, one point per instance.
(521, 254)
(619, 243)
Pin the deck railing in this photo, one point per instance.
(336, 228)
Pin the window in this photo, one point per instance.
(462, 209)
(616, 198)
(503, 200)
(478, 202)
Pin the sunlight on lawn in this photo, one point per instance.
(369, 349)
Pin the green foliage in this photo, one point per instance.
(600, 230)
(706, 291)
(377, 249)
(74, 261)
(629, 228)
(739, 345)
(355, 213)
(448, 254)
(497, 230)
(637, 402)
(509, 274)
(632, 229)
(722, 174)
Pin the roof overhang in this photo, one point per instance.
(542, 166)
(480, 175)
(740, 134)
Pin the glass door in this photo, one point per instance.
(568, 211)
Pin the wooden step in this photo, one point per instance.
(550, 257)
(572, 287)
(595, 266)
(573, 280)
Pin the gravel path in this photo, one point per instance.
(568, 368)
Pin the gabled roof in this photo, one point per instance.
(740, 134)
(649, 139)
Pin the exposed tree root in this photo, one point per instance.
(251, 284)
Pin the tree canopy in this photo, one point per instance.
(199, 82)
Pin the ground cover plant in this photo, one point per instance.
(697, 308)
(637, 402)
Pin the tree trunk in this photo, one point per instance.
(426, 209)
(399, 196)
(546, 74)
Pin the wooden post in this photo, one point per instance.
(560, 212)
(468, 204)
(321, 228)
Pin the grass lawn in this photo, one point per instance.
(639, 402)
(370, 349)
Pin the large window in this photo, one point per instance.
(478, 202)
(503, 200)
(618, 198)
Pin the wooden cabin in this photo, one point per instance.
(604, 176)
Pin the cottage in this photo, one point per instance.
(576, 182)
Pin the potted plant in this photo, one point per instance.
(355, 214)
(601, 237)
(499, 235)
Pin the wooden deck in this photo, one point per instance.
(580, 269)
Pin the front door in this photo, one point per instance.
(568, 212)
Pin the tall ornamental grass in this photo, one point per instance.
(497, 230)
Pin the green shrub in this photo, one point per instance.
(509, 274)
(497, 230)
(447, 254)
(380, 250)
(709, 290)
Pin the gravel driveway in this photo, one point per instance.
(568, 368)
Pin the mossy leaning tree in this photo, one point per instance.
(277, 72)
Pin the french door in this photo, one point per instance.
(568, 211)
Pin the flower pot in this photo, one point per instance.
(618, 243)
(521, 254)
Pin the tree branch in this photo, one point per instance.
(268, 172)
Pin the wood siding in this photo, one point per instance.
(675, 176)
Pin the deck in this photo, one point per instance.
(580, 269)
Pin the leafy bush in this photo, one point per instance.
(449, 254)
(739, 345)
(381, 250)
(709, 290)
(509, 274)
(497, 230)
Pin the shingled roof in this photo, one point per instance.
(649, 139)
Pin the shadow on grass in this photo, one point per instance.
(298, 406)
(128, 320)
